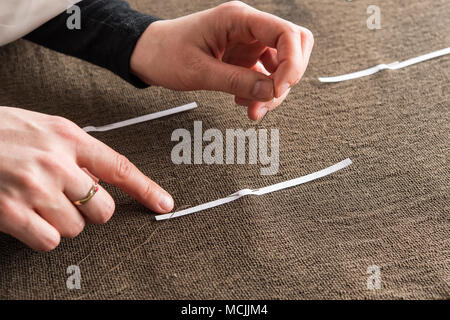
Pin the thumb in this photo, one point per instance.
(237, 80)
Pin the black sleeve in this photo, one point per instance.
(107, 37)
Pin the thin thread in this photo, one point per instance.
(124, 260)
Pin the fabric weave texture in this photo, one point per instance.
(315, 241)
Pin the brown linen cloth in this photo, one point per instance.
(390, 208)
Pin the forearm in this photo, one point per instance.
(109, 32)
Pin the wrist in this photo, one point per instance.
(143, 55)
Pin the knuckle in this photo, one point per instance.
(123, 167)
(52, 163)
(148, 191)
(64, 127)
(21, 219)
(107, 213)
(49, 244)
(301, 68)
(74, 230)
(103, 218)
(292, 29)
(7, 213)
(29, 181)
(110, 209)
(308, 35)
(230, 11)
(233, 80)
(231, 5)
(61, 122)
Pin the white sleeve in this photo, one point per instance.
(20, 17)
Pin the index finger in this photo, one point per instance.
(116, 169)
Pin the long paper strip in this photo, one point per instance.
(259, 192)
(392, 66)
(143, 118)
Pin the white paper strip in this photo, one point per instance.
(143, 118)
(392, 66)
(258, 192)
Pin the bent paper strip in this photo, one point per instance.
(143, 118)
(260, 191)
(392, 66)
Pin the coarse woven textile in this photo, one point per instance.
(314, 241)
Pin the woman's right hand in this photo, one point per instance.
(47, 163)
(233, 48)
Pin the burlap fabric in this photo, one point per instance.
(390, 208)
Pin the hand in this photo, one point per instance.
(48, 162)
(233, 48)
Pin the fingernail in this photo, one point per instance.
(263, 90)
(284, 87)
(166, 202)
(262, 112)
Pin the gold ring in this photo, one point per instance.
(89, 196)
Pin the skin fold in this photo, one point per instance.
(47, 162)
